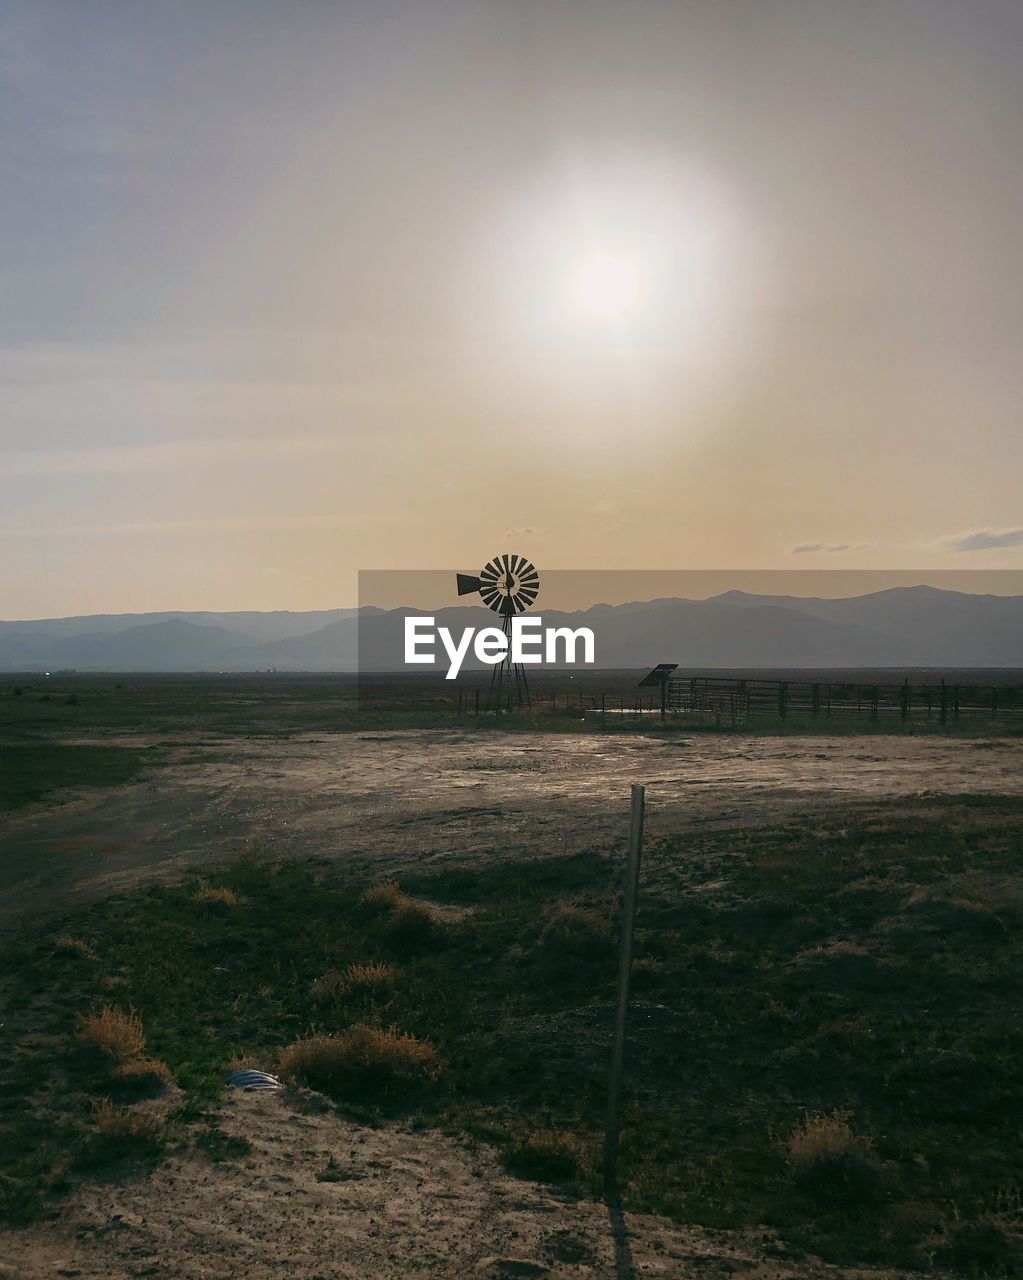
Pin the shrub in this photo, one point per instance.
(123, 1131)
(361, 1058)
(73, 946)
(384, 895)
(146, 1075)
(329, 986)
(356, 977)
(113, 1032)
(411, 924)
(577, 932)
(831, 1164)
(547, 1155)
(216, 899)
(369, 977)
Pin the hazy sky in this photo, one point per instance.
(292, 289)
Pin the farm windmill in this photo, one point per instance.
(508, 585)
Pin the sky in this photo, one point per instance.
(290, 290)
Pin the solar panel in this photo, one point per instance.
(659, 675)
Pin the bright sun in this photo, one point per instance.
(607, 286)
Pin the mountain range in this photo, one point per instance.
(902, 627)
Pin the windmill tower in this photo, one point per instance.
(508, 585)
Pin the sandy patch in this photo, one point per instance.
(319, 1198)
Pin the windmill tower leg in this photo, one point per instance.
(509, 688)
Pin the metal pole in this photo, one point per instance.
(631, 891)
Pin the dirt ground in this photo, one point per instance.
(393, 1204)
(423, 796)
(403, 1203)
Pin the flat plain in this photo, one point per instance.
(824, 1038)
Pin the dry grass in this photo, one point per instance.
(144, 1074)
(73, 946)
(409, 922)
(362, 1057)
(356, 977)
(821, 1137)
(113, 1032)
(127, 1130)
(579, 931)
(329, 986)
(218, 899)
(370, 977)
(832, 1165)
(387, 894)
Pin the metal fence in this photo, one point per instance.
(749, 701)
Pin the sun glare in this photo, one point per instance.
(606, 286)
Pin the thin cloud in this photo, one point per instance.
(808, 547)
(984, 539)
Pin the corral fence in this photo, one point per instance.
(743, 702)
(738, 702)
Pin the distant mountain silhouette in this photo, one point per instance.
(903, 627)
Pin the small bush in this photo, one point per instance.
(113, 1032)
(411, 924)
(73, 946)
(575, 931)
(361, 1058)
(384, 895)
(122, 1131)
(355, 978)
(216, 899)
(144, 1075)
(547, 1155)
(329, 986)
(369, 977)
(833, 1165)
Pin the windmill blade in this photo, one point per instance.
(490, 572)
(467, 584)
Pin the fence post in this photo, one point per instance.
(630, 893)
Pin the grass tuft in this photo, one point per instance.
(144, 1075)
(69, 945)
(361, 978)
(112, 1032)
(831, 1164)
(216, 898)
(361, 1059)
(126, 1131)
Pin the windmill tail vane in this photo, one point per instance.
(508, 585)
